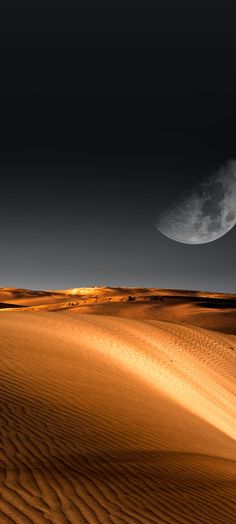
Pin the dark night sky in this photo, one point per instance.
(105, 115)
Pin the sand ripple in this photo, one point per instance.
(114, 420)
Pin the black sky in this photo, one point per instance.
(105, 115)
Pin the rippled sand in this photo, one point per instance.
(115, 420)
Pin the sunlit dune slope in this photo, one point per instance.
(28, 297)
(113, 420)
(214, 316)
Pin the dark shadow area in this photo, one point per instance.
(4, 305)
(217, 303)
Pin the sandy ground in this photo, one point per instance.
(106, 419)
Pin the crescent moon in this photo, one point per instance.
(207, 213)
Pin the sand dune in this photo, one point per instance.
(205, 315)
(115, 420)
(214, 311)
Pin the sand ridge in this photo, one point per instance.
(115, 420)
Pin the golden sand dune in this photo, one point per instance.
(214, 315)
(28, 297)
(214, 311)
(114, 420)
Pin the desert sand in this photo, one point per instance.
(117, 409)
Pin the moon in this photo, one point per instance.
(204, 214)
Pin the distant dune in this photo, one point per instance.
(214, 311)
(106, 419)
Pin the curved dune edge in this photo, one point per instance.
(107, 419)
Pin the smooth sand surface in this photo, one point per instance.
(200, 314)
(115, 420)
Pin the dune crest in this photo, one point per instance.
(113, 420)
